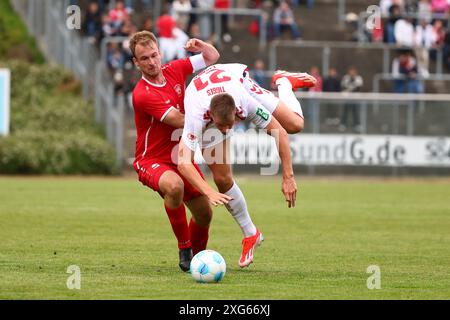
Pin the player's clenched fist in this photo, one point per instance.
(194, 45)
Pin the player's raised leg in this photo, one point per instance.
(289, 111)
(171, 187)
(286, 109)
(221, 170)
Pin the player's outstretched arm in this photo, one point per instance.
(289, 186)
(187, 169)
(209, 52)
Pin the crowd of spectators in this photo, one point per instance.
(177, 22)
(410, 24)
(420, 29)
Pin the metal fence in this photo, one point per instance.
(326, 50)
(386, 113)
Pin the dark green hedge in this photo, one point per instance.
(15, 41)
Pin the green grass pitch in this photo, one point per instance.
(115, 230)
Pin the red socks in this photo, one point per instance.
(177, 218)
(199, 237)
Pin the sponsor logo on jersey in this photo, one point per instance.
(178, 90)
(207, 116)
(260, 112)
(192, 137)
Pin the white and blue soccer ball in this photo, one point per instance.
(208, 266)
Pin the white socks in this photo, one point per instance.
(238, 209)
(286, 95)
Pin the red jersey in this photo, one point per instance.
(152, 103)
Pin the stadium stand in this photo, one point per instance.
(332, 35)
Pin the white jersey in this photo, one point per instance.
(218, 79)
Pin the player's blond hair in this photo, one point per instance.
(142, 38)
(222, 107)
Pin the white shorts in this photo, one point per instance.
(263, 96)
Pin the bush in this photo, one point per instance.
(53, 152)
(52, 128)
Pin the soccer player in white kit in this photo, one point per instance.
(215, 100)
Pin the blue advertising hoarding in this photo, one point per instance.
(5, 78)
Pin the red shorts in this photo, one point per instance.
(151, 171)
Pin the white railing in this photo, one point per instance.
(377, 78)
(313, 102)
(327, 47)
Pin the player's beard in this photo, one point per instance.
(152, 72)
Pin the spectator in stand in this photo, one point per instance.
(439, 31)
(165, 25)
(223, 5)
(180, 13)
(312, 103)
(351, 82)
(171, 39)
(315, 72)
(129, 7)
(394, 15)
(107, 28)
(411, 6)
(115, 57)
(446, 49)
(439, 37)
(102, 5)
(255, 25)
(192, 16)
(424, 40)
(404, 32)
(440, 6)
(127, 27)
(93, 23)
(424, 10)
(258, 75)
(128, 55)
(283, 19)
(118, 14)
(296, 3)
(147, 25)
(331, 83)
(205, 20)
(148, 4)
(385, 5)
(406, 72)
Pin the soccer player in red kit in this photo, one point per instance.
(159, 111)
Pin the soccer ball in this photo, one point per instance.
(208, 266)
